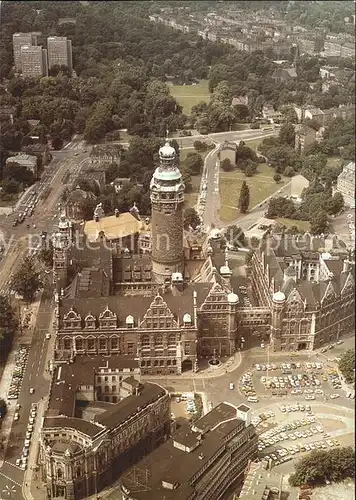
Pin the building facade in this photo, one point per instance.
(200, 462)
(59, 50)
(89, 438)
(18, 40)
(346, 184)
(24, 160)
(33, 61)
(123, 303)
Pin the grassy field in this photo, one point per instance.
(189, 95)
(261, 186)
(302, 225)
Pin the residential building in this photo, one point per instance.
(199, 462)
(346, 184)
(33, 61)
(28, 161)
(304, 137)
(284, 74)
(59, 50)
(18, 40)
(100, 419)
(75, 201)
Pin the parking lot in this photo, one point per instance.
(286, 432)
(307, 380)
(17, 374)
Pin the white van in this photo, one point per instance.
(232, 386)
(253, 399)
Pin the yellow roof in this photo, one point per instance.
(114, 227)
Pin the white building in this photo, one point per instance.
(346, 184)
(28, 161)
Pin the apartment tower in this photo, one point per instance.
(18, 40)
(59, 50)
(33, 61)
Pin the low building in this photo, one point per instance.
(346, 184)
(284, 75)
(199, 462)
(227, 151)
(105, 153)
(304, 137)
(75, 201)
(298, 184)
(270, 114)
(100, 419)
(28, 161)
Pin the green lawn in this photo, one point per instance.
(261, 186)
(189, 95)
(302, 225)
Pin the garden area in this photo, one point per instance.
(190, 95)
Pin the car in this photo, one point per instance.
(18, 461)
(334, 396)
(17, 407)
(32, 390)
(231, 386)
(16, 416)
(27, 443)
(30, 427)
(28, 435)
(76, 154)
(31, 420)
(339, 342)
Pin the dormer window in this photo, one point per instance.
(90, 322)
(107, 319)
(72, 320)
(130, 321)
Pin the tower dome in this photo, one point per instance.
(167, 151)
(232, 298)
(279, 297)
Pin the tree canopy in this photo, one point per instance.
(347, 365)
(27, 281)
(8, 325)
(321, 466)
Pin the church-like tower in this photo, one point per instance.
(167, 197)
(61, 245)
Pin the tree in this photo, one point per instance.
(200, 146)
(26, 281)
(226, 165)
(319, 222)
(317, 467)
(347, 365)
(277, 178)
(191, 218)
(45, 255)
(335, 204)
(287, 134)
(57, 142)
(194, 164)
(3, 408)
(280, 207)
(8, 325)
(244, 199)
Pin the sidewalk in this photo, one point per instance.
(211, 372)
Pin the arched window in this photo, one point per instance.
(59, 473)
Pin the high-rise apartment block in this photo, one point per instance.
(33, 61)
(18, 40)
(59, 50)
